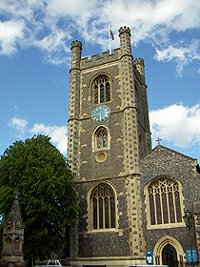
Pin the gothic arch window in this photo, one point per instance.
(164, 201)
(17, 243)
(101, 138)
(103, 207)
(101, 89)
(8, 243)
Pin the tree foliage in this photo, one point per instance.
(47, 194)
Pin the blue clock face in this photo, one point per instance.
(100, 114)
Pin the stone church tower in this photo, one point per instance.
(109, 131)
(138, 205)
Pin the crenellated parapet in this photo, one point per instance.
(139, 64)
(76, 43)
(125, 29)
(97, 59)
(139, 60)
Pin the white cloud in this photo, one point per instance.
(182, 55)
(18, 124)
(11, 32)
(75, 8)
(176, 124)
(54, 47)
(145, 15)
(51, 41)
(189, 15)
(58, 135)
(50, 24)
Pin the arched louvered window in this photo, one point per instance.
(101, 138)
(103, 207)
(164, 202)
(101, 90)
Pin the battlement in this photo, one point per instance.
(76, 43)
(139, 65)
(97, 59)
(139, 61)
(124, 29)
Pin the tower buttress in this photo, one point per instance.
(131, 145)
(125, 41)
(129, 103)
(74, 104)
(139, 64)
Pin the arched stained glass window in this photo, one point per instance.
(101, 137)
(164, 202)
(103, 207)
(101, 90)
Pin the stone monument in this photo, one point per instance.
(13, 237)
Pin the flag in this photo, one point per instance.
(112, 35)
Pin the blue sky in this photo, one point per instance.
(35, 39)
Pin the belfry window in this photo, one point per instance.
(103, 207)
(101, 137)
(101, 90)
(164, 202)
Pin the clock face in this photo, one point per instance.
(100, 113)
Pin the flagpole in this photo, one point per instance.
(109, 38)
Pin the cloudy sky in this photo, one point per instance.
(35, 39)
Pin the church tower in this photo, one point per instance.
(108, 131)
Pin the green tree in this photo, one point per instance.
(46, 194)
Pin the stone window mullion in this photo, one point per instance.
(174, 204)
(98, 212)
(154, 202)
(109, 212)
(161, 205)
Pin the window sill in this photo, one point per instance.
(102, 230)
(167, 225)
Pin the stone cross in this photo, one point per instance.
(158, 140)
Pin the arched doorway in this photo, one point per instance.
(169, 256)
(168, 251)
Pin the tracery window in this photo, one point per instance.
(103, 207)
(164, 202)
(101, 137)
(101, 90)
